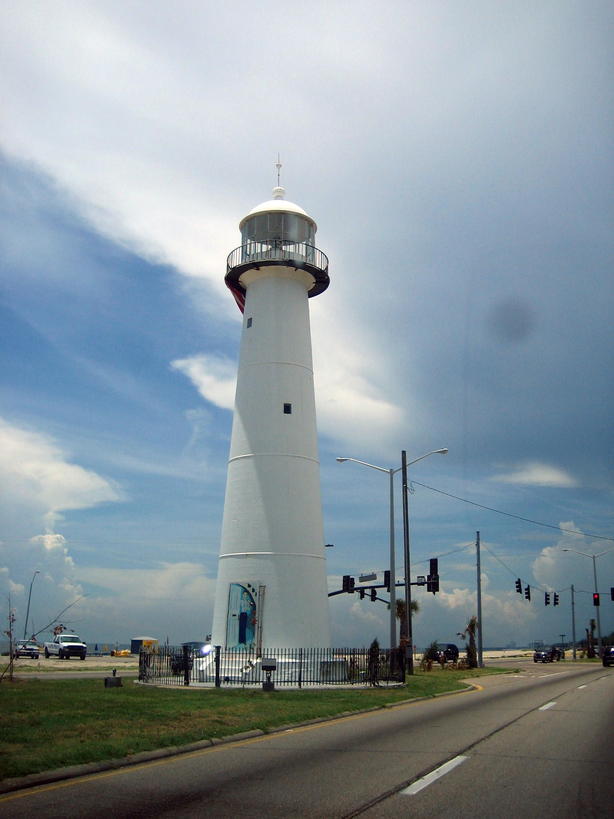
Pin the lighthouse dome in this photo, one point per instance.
(278, 207)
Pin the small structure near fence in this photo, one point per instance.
(294, 667)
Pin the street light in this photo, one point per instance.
(391, 472)
(25, 628)
(594, 558)
(406, 549)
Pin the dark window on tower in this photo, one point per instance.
(287, 409)
(249, 322)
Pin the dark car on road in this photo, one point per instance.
(608, 656)
(557, 653)
(542, 655)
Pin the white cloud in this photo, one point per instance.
(213, 376)
(173, 599)
(537, 474)
(50, 541)
(34, 469)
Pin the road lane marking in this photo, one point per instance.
(546, 706)
(427, 780)
(582, 686)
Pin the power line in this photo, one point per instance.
(511, 515)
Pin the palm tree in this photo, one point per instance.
(470, 632)
(415, 608)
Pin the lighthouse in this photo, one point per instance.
(271, 588)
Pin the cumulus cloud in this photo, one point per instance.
(538, 474)
(170, 598)
(34, 468)
(213, 376)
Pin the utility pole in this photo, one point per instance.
(410, 636)
(479, 587)
(573, 621)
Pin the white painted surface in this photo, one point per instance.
(433, 776)
(272, 533)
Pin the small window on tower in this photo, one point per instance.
(249, 322)
(287, 409)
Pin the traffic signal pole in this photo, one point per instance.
(479, 588)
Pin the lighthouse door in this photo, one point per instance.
(241, 620)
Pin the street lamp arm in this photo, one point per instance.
(364, 463)
(442, 451)
(586, 554)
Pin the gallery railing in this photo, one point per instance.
(276, 250)
(295, 667)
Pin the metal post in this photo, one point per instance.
(597, 607)
(408, 628)
(573, 621)
(187, 665)
(393, 579)
(218, 650)
(25, 628)
(479, 587)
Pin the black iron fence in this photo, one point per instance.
(292, 667)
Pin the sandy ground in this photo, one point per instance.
(122, 664)
(131, 663)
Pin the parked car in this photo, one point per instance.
(26, 648)
(608, 655)
(450, 652)
(542, 655)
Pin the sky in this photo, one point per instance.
(457, 158)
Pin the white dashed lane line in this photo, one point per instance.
(546, 706)
(427, 780)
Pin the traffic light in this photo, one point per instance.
(519, 586)
(555, 599)
(373, 594)
(546, 599)
(348, 584)
(612, 593)
(387, 580)
(527, 592)
(361, 592)
(596, 599)
(432, 580)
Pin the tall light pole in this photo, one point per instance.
(594, 558)
(406, 548)
(25, 628)
(391, 472)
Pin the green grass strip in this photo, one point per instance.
(48, 724)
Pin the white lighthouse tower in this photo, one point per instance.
(271, 587)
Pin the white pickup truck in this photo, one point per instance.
(64, 646)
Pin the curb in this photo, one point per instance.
(89, 768)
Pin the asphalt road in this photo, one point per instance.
(537, 743)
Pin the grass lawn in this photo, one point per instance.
(47, 724)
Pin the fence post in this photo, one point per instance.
(187, 665)
(218, 650)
